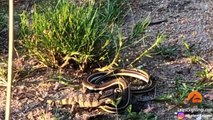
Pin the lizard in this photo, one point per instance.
(80, 99)
(96, 100)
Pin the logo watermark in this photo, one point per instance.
(193, 99)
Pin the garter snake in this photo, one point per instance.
(125, 101)
(94, 82)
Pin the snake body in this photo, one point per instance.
(102, 80)
(98, 83)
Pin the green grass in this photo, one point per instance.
(194, 59)
(3, 71)
(3, 76)
(206, 75)
(3, 37)
(79, 35)
(139, 116)
(3, 22)
(3, 26)
(69, 33)
(180, 91)
(188, 49)
(177, 96)
(146, 52)
(167, 52)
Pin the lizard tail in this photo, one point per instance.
(50, 102)
(60, 102)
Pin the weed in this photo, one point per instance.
(137, 32)
(188, 49)
(206, 75)
(159, 39)
(139, 28)
(181, 91)
(165, 97)
(3, 74)
(117, 53)
(69, 33)
(3, 22)
(3, 71)
(78, 34)
(115, 103)
(139, 116)
(112, 11)
(167, 52)
(194, 59)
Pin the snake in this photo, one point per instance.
(103, 80)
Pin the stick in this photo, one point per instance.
(10, 60)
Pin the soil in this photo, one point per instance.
(187, 21)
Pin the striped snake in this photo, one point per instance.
(104, 80)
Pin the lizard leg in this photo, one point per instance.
(73, 108)
(84, 90)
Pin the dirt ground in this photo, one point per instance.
(187, 21)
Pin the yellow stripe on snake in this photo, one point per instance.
(121, 84)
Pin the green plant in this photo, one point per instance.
(188, 49)
(79, 35)
(167, 52)
(178, 95)
(3, 71)
(137, 32)
(180, 91)
(206, 75)
(69, 33)
(159, 39)
(3, 74)
(115, 103)
(112, 11)
(18, 67)
(194, 59)
(139, 116)
(3, 21)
